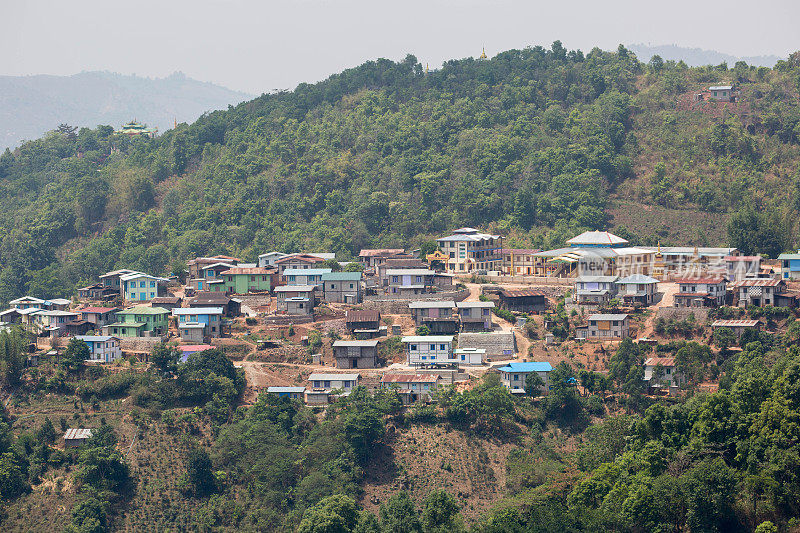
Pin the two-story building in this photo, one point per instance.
(475, 316)
(661, 372)
(140, 287)
(395, 263)
(519, 261)
(700, 292)
(324, 384)
(304, 276)
(739, 267)
(298, 261)
(412, 387)
(595, 290)
(429, 350)
(197, 323)
(758, 292)
(246, 280)
(139, 321)
(513, 376)
(363, 323)
(102, 348)
(231, 307)
(437, 316)
(372, 258)
(113, 280)
(356, 354)
(604, 327)
(98, 316)
(268, 259)
(469, 250)
(523, 300)
(341, 287)
(790, 266)
(210, 276)
(637, 289)
(409, 281)
(55, 321)
(295, 299)
(195, 266)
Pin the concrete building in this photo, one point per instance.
(295, 299)
(342, 287)
(637, 289)
(356, 354)
(603, 327)
(475, 316)
(700, 292)
(410, 281)
(790, 266)
(519, 261)
(739, 267)
(102, 348)
(470, 250)
(195, 324)
(140, 287)
(429, 350)
(245, 280)
(661, 372)
(470, 356)
(595, 290)
(412, 387)
(139, 321)
(759, 292)
(513, 376)
(98, 316)
(438, 316)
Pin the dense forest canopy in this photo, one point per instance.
(533, 143)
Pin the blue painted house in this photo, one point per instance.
(141, 287)
(790, 266)
(102, 348)
(197, 323)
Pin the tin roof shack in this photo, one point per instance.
(297, 261)
(429, 350)
(498, 346)
(722, 93)
(166, 302)
(412, 387)
(75, 437)
(342, 287)
(470, 356)
(475, 316)
(595, 290)
(758, 292)
(98, 291)
(295, 299)
(397, 263)
(376, 257)
(294, 393)
(737, 326)
(739, 267)
(363, 323)
(660, 373)
(196, 265)
(701, 292)
(637, 289)
(524, 301)
(437, 316)
(356, 354)
(513, 376)
(603, 327)
(231, 307)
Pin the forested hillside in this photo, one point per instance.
(537, 144)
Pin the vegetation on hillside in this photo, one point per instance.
(532, 143)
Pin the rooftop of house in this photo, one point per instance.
(496, 342)
(285, 390)
(178, 311)
(527, 367)
(341, 276)
(115, 273)
(409, 272)
(609, 316)
(522, 293)
(596, 238)
(468, 305)
(596, 279)
(637, 279)
(195, 347)
(143, 310)
(57, 312)
(248, 271)
(210, 298)
(295, 288)
(432, 304)
(427, 338)
(306, 271)
(735, 323)
(721, 88)
(96, 310)
(757, 282)
(747, 258)
(380, 252)
(304, 258)
(365, 315)
(324, 376)
(137, 275)
(468, 234)
(366, 343)
(663, 361)
(700, 281)
(410, 378)
(95, 338)
(77, 433)
(521, 251)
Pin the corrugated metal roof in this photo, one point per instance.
(595, 238)
(735, 324)
(536, 366)
(468, 305)
(427, 338)
(619, 316)
(178, 311)
(638, 279)
(252, 271)
(663, 361)
(295, 288)
(365, 315)
(697, 281)
(521, 293)
(306, 271)
(432, 304)
(757, 282)
(341, 276)
(77, 433)
(410, 378)
(377, 252)
(409, 272)
(277, 390)
(333, 377)
(345, 344)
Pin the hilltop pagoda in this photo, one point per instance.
(134, 129)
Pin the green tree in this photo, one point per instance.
(399, 514)
(75, 354)
(334, 514)
(440, 513)
(165, 358)
(199, 473)
(724, 338)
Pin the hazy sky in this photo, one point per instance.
(257, 46)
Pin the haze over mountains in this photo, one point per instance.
(697, 57)
(33, 105)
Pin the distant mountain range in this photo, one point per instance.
(697, 57)
(33, 105)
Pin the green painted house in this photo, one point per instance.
(242, 280)
(139, 321)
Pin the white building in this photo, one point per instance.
(513, 376)
(102, 348)
(423, 350)
(469, 250)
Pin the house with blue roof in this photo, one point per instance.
(790, 266)
(514, 375)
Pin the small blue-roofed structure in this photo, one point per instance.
(514, 375)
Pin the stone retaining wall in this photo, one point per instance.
(396, 305)
(285, 320)
(682, 313)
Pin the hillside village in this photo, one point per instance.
(303, 325)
